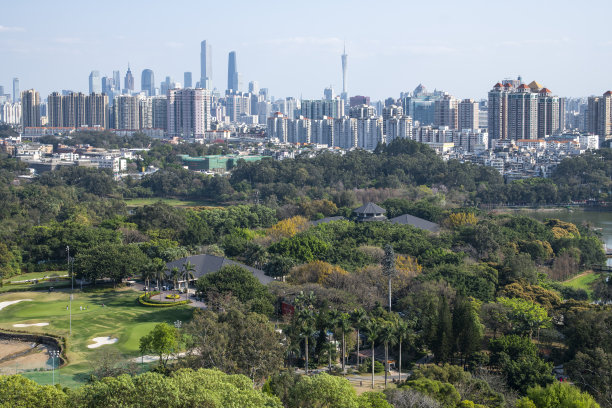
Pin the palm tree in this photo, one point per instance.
(401, 333)
(188, 274)
(305, 320)
(158, 269)
(359, 319)
(344, 323)
(387, 336)
(333, 318)
(372, 328)
(175, 274)
(148, 273)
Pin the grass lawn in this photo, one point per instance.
(139, 202)
(19, 287)
(583, 281)
(34, 275)
(122, 317)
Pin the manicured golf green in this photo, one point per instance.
(121, 317)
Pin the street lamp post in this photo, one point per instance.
(71, 272)
(53, 354)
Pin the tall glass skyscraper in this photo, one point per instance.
(16, 92)
(232, 72)
(147, 82)
(187, 80)
(95, 83)
(129, 80)
(205, 66)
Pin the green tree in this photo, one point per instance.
(323, 391)
(525, 316)
(112, 261)
(20, 392)
(467, 329)
(557, 395)
(517, 358)
(162, 341)
(591, 370)
(371, 399)
(358, 320)
(440, 391)
(372, 329)
(442, 344)
(174, 276)
(233, 279)
(187, 271)
(387, 336)
(389, 267)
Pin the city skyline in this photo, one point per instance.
(462, 50)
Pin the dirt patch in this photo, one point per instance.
(11, 347)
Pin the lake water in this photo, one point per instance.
(602, 220)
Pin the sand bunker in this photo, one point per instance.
(12, 302)
(30, 324)
(101, 341)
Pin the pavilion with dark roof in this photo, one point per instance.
(370, 212)
(417, 222)
(205, 264)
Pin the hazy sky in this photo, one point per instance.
(293, 48)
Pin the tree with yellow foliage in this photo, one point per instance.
(288, 228)
(315, 272)
(460, 219)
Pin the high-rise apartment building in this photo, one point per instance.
(129, 81)
(232, 73)
(95, 83)
(10, 113)
(498, 112)
(96, 110)
(548, 113)
(599, 116)
(16, 91)
(147, 82)
(469, 113)
(125, 112)
(160, 112)
(446, 112)
(317, 109)
(55, 118)
(205, 65)
(73, 109)
(523, 114)
(187, 80)
(188, 112)
(30, 108)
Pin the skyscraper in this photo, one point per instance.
(498, 112)
(187, 80)
(147, 82)
(95, 84)
(16, 92)
(469, 113)
(548, 113)
(55, 118)
(232, 72)
(344, 58)
(523, 114)
(30, 108)
(188, 112)
(446, 112)
(117, 80)
(129, 80)
(254, 87)
(96, 110)
(205, 65)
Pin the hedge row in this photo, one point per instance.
(146, 300)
